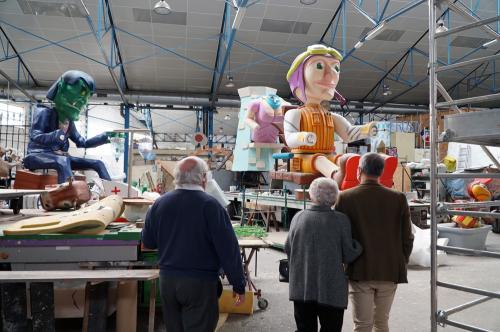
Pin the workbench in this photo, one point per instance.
(13, 285)
(72, 252)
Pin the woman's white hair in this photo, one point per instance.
(190, 170)
(324, 191)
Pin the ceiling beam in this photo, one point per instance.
(399, 61)
(20, 88)
(407, 53)
(219, 45)
(397, 96)
(104, 55)
(226, 39)
(117, 45)
(331, 22)
(35, 82)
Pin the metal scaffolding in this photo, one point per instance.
(440, 317)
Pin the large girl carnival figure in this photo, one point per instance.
(309, 129)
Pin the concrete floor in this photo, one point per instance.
(410, 312)
(411, 309)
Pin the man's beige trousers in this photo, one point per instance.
(371, 303)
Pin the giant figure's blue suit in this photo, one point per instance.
(48, 146)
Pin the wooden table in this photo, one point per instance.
(15, 196)
(13, 294)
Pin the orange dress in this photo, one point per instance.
(314, 119)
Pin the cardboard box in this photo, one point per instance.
(405, 144)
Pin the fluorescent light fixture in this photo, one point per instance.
(491, 42)
(162, 8)
(386, 90)
(227, 117)
(239, 17)
(308, 2)
(358, 44)
(376, 31)
(230, 83)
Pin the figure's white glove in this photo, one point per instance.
(308, 138)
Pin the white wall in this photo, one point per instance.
(471, 155)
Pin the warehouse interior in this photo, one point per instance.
(169, 79)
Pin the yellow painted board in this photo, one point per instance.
(226, 303)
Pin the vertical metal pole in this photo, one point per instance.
(344, 28)
(130, 155)
(448, 14)
(126, 115)
(498, 13)
(205, 121)
(86, 124)
(210, 127)
(494, 77)
(433, 142)
(412, 67)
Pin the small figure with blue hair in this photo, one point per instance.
(53, 127)
(265, 118)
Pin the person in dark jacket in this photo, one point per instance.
(53, 127)
(318, 244)
(381, 222)
(195, 239)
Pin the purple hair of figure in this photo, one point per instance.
(296, 81)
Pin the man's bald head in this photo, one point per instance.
(190, 170)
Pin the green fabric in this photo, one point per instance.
(71, 99)
(249, 231)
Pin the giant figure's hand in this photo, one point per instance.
(371, 129)
(308, 138)
(112, 134)
(64, 126)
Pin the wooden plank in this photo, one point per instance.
(152, 306)
(126, 307)
(42, 306)
(77, 275)
(13, 193)
(252, 243)
(137, 201)
(97, 314)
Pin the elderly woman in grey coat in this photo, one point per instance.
(318, 244)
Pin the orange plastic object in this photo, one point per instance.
(479, 191)
(466, 221)
(351, 173)
(391, 163)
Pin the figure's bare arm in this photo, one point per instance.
(293, 136)
(252, 108)
(349, 132)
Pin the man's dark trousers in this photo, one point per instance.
(189, 304)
